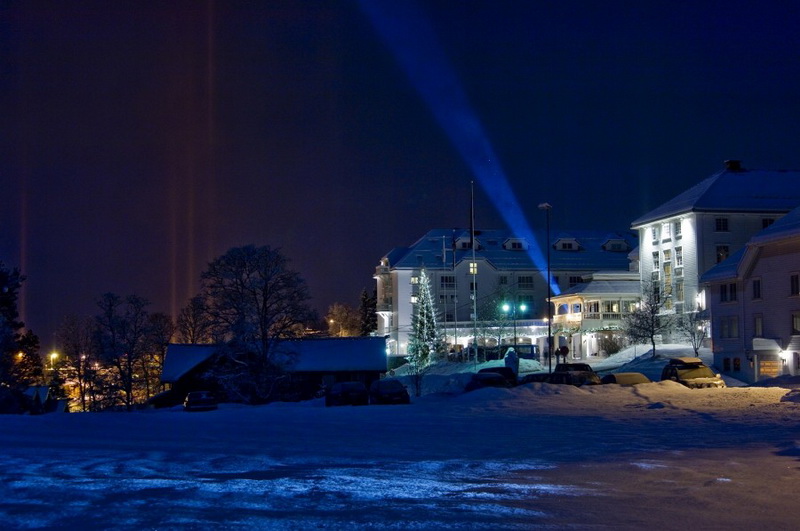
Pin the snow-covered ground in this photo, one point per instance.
(535, 456)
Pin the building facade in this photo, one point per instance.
(589, 315)
(688, 235)
(754, 305)
(473, 280)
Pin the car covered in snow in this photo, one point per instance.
(625, 378)
(691, 372)
(388, 391)
(199, 401)
(574, 374)
(347, 394)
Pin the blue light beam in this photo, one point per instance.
(407, 32)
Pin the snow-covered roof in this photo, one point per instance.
(335, 354)
(180, 359)
(302, 355)
(786, 227)
(725, 270)
(435, 251)
(739, 190)
(604, 287)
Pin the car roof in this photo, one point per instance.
(685, 361)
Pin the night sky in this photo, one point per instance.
(142, 139)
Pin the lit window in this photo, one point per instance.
(678, 256)
(415, 280)
(473, 268)
(721, 224)
(667, 255)
(414, 299)
(679, 291)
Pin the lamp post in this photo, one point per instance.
(53, 356)
(547, 207)
(506, 309)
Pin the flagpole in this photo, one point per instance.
(474, 268)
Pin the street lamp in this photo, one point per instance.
(547, 207)
(53, 357)
(506, 308)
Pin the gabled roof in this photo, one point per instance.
(428, 251)
(301, 355)
(786, 227)
(180, 359)
(739, 190)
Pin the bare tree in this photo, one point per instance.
(75, 337)
(122, 327)
(194, 323)
(695, 327)
(254, 300)
(648, 320)
(343, 321)
(160, 330)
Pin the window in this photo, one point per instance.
(665, 230)
(656, 260)
(677, 229)
(473, 268)
(679, 291)
(723, 251)
(721, 224)
(566, 246)
(729, 327)
(503, 280)
(678, 256)
(447, 282)
(473, 286)
(654, 233)
(756, 288)
(667, 255)
(516, 245)
(667, 274)
(795, 323)
(723, 293)
(794, 284)
(758, 325)
(415, 280)
(573, 281)
(737, 364)
(732, 291)
(766, 222)
(414, 299)
(525, 282)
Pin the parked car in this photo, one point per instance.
(483, 379)
(625, 378)
(506, 372)
(347, 394)
(691, 372)
(388, 392)
(541, 377)
(574, 374)
(199, 401)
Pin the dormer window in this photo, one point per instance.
(567, 244)
(515, 245)
(617, 246)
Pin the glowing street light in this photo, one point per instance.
(547, 207)
(507, 308)
(53, 358)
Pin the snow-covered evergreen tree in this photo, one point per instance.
(425, 340)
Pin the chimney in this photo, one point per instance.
(733, 165)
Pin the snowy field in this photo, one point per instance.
(533, 457)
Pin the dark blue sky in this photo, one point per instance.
(142, 139)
